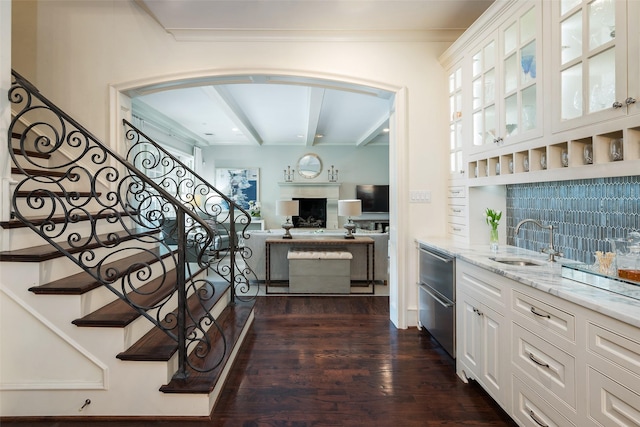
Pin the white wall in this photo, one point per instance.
(73, 51)
(365, 165)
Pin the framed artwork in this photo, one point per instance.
(240, 185)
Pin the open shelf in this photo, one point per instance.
(610, 153)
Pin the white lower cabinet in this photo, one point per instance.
(613, 373)
(482, 333)
(530, 410)
(479, 345)
(610, 402)
(546, 361)
(550, 369)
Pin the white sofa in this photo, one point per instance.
(279, 264)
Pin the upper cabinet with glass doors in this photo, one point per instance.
(505, 71)
(455, 123)
(592, 63)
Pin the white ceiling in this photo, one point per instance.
(282, 110)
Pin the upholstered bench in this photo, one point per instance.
(319, 271)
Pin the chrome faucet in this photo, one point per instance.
(550, 250)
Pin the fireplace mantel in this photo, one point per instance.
(324, 190)
(309, 184)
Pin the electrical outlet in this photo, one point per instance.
(420, 196)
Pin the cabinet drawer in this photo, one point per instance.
(530, 410)
(614, 347)
(544, 317)
(487, 287)
(457, 229)
(552, 369)
(457, 192)
(610, 403)
(457, 211)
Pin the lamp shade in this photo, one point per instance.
(287, 207)
(350, 207)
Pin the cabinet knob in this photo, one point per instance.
(630, 101)
(617, 104)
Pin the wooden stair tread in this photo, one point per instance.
(118, 313)
(47, 251)
(232, 322)
(83, 282)
(57, 193)
(58, 219)
(156, 345)
(40, 172)
(31, 153)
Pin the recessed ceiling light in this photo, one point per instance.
(235, 129)
(319, 135)
(300, 136)
(385, 130)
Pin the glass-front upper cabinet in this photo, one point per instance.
(505, 82)
(483, 83)
(521, 64)
(455, 122)
(632, 101)
(590, 61)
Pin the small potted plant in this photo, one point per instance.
(493, 220)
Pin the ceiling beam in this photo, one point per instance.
(374, 131)
(166, 125)
(227, 102)
(316, 96)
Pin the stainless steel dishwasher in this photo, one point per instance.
(437, 296)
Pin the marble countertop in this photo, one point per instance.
(546, 277)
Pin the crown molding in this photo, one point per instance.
(228, 35)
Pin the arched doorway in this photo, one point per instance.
(121, 96)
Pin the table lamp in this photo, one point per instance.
(349, 208)
(287, 208)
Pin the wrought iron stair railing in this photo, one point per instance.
(221, 213)
(84, 181)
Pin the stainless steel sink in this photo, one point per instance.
(520, 262)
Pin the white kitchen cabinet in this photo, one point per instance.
(456, 168)
(505, 73)
(591, 62)
(481, 332)
(545, 360)
(530, 410)
(543, 341)
(613, 373)
(457, 206)
(482, 346)
(585, 88)
(550, 368)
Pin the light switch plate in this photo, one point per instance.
(420, 196)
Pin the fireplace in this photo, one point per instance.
(328, 191)
(312, 213)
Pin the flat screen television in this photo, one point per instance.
(375, 198)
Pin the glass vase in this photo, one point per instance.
(493, 240)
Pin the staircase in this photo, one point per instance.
(101, 316)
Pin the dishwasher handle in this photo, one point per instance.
(443, 259)
(445, 304)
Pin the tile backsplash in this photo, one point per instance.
(584, 213)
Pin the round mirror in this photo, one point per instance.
(309, 166)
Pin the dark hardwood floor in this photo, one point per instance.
(334, 361)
